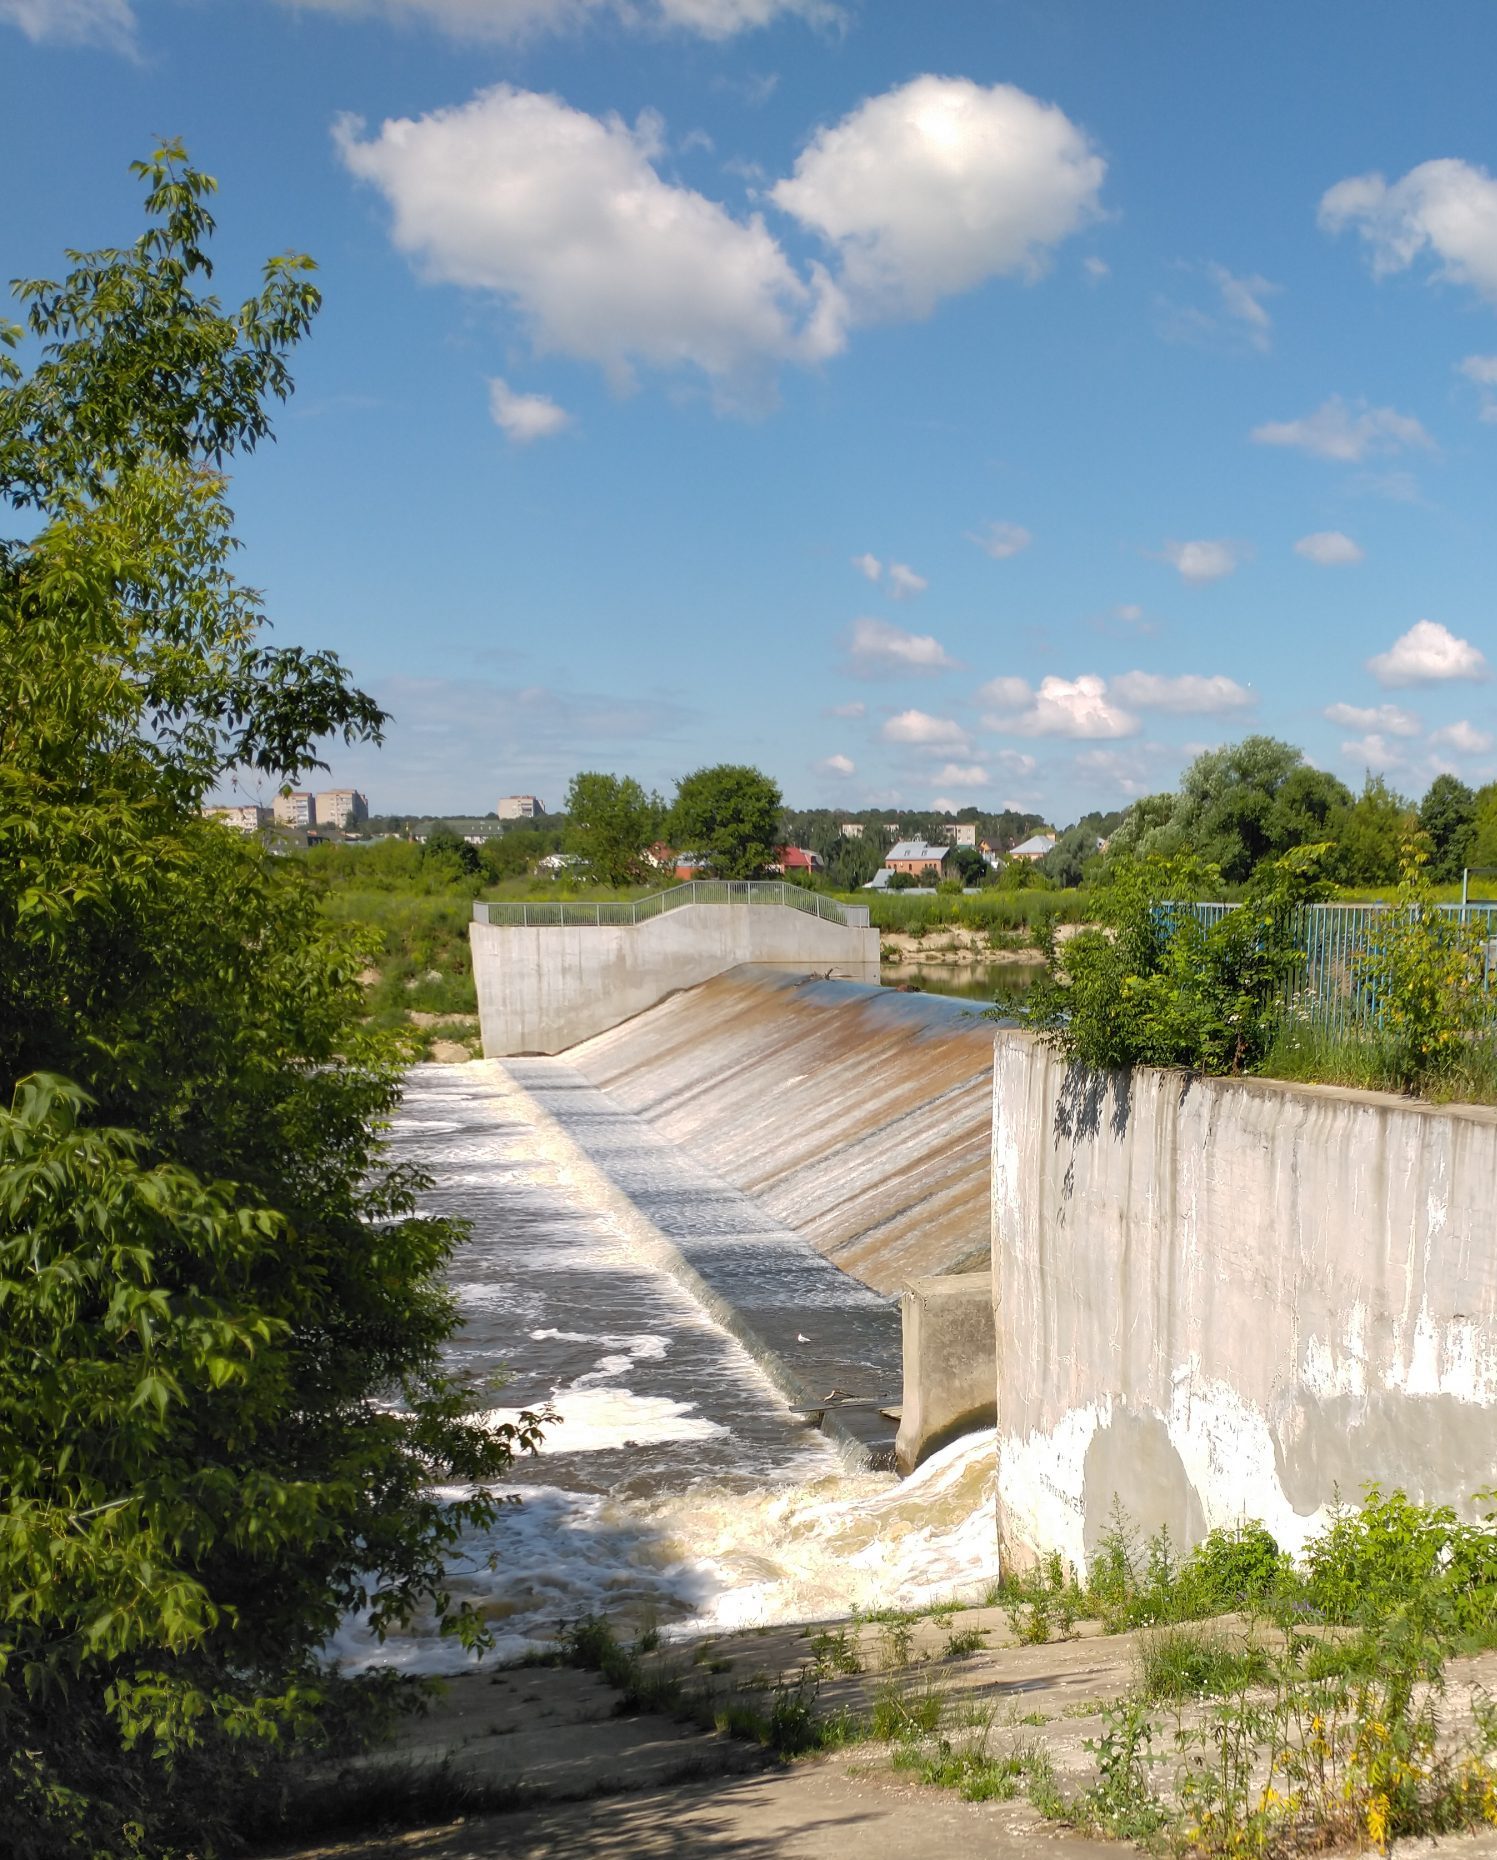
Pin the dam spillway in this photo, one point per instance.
(678, 1486)
(861, 1117)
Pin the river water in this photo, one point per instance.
(677, 1487)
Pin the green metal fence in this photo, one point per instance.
(1338, 988)
(755, 891)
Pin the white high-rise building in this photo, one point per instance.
(243, 819)
(296, 810)
(342, 808)
(519, 807)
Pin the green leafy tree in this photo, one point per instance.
(1447, 817)
(731, 814)
(1368, 835)
(969, 865)
(222, 1401)
(448, 860)
(1483, 850)
(1237, 807)
(1073, 856)
(610, 823)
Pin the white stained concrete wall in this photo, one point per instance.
(1223, 1299)
(542, 990)
(948, 1364)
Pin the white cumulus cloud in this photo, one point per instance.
(1427, 654)
(875, 647)
(903, 581)
(1079, 707)
(1386, 719)
(1188, 695)
(1336, 431)
(525, 417)
(963, 775)
(1445, 209)
(868, 566)
(922, 731)
(1329, 549)
(837, 765)
(1375, 752)
(1463, 737)
(933, 187)
(565, 216)
(1202, 561)
(1001, 540)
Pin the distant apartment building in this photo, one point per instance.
(851, 829)
(519, 807)
(342, 808)
(960, 832)
(244, 819)
(296, 810)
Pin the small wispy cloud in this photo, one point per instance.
(1000, 540)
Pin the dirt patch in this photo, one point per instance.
(956, 946)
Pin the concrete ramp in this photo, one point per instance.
(859, 1116)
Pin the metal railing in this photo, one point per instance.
(756, 891)
(1337, 988)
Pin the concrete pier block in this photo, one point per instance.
(950, 1370)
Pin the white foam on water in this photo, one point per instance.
(602, 1420)
(713, 1559)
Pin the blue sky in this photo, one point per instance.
(955, 403)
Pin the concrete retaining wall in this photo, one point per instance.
(543, 990)
(949, 1368)
(1219, 1299)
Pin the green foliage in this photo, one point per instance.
(731, 815)
(1390, 1556)
(223, 1408)
(448, 861)
(1423, 971)
(1447, 818)
(611, 820)
(1159, 987)
(969, 865)
(1237, 807)
(1184, 1662)
(1367, 834)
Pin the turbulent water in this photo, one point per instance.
(676, 1486)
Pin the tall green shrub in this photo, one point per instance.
(1156, 986)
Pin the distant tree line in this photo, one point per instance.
(1251, 802)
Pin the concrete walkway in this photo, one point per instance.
(832, 1810)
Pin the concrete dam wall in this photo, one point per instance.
(1221, 1299)
(543, 988)
(859, 1116)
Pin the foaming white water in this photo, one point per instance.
(599, 1420)
(714, 1559)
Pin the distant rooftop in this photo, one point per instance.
(917, 849)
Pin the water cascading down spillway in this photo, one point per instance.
(684, 1236)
